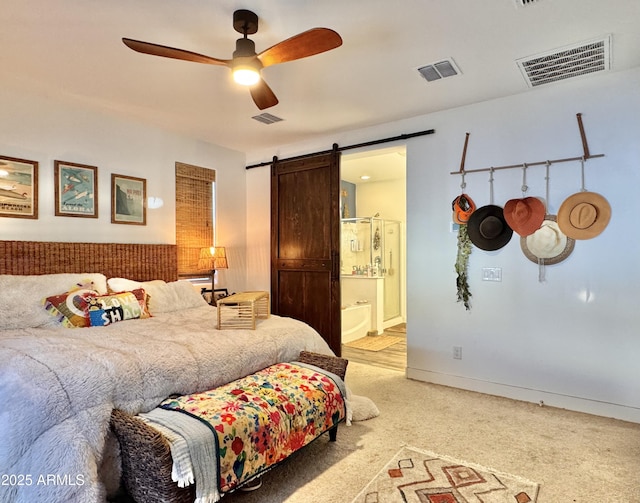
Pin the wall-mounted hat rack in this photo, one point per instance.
(586, 155)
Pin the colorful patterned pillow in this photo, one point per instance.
(22, 297)
(70, 308)
(104, 310)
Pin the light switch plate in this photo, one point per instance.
(491, 274)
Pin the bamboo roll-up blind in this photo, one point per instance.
(194, 216)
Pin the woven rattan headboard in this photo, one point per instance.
(140, 262)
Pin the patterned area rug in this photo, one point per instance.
(374, 342)
(415, 476)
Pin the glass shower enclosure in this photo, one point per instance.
(370, 248)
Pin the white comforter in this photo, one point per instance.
(58, 387)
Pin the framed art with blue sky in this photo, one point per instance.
(76, 190)
(18, 188)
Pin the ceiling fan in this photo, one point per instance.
(245, 63)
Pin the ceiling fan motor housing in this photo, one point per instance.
(244, 47)
(245, 65)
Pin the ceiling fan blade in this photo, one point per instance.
(299, 46)
(262, 95)
(170, 52)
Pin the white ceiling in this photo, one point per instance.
(72, 50)
(380, 165)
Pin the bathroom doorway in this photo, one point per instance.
(373, 256)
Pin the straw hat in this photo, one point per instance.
(463, 206)
(524, 215)
(584, 215)
(548, 244)
(487, 228)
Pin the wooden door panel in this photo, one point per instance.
(303, 226)
(300, 291)
(305, 243)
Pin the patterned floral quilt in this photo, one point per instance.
(261, 419)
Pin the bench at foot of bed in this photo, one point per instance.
(254, 423)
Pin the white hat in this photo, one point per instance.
(548, 243)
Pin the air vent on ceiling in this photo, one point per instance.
(439, 70)
(567, 62)
(266, 118)
(525, 3)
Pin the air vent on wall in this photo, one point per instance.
(567, 62)
(266, 118)
(439, 70)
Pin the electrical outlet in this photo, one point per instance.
(457, 352)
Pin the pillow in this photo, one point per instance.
(363, 408)
(21, 296)
(180, 295)
(104, 310)
(163, 297)
(126, 285)
(155, 289)
(70, 308)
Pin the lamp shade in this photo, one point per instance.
(220, 256)
(206, 261)
(212, 258)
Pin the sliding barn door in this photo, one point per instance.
(305, 242)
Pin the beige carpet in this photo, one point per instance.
(417, 476)
(576, 458)
(374, 342)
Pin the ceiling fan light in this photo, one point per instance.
(246, 75)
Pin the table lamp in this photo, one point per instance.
(212, 258)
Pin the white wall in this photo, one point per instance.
(387, 197)
(571, 341)
(40, 129)
(259, 228)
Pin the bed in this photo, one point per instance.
(59, 385)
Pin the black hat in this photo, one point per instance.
(488, 229)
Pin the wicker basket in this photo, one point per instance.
(147, 462)
(333, 364)
(146, 455)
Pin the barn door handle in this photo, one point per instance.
(335, 266)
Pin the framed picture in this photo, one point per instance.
(128, 200)
(18, 188)
(219, 293)
(213, 296)
(76, 190)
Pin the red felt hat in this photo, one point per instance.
(524, 216)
